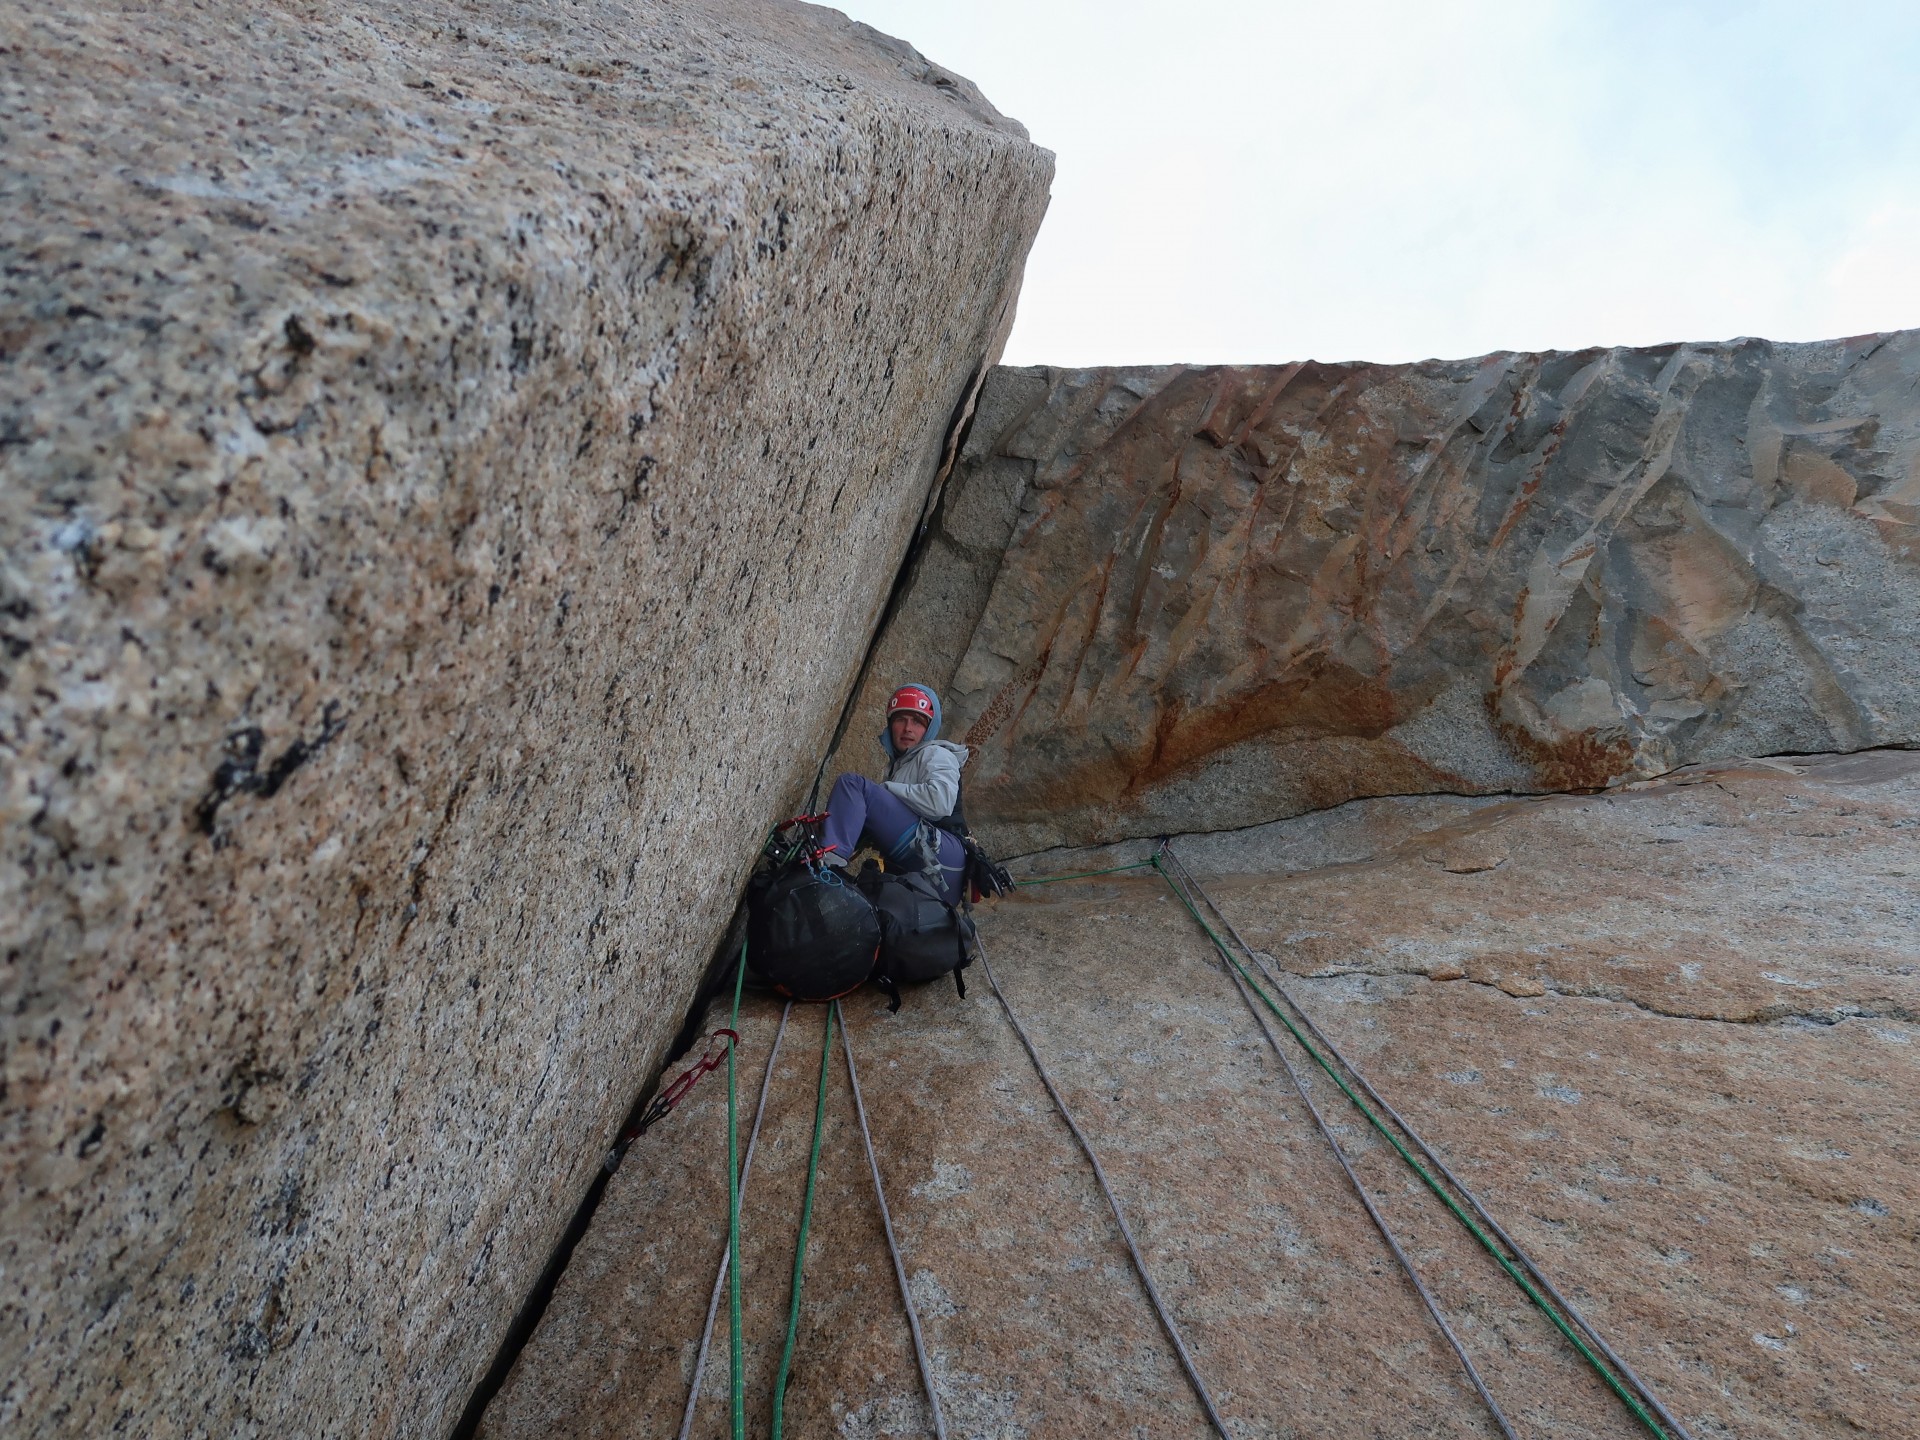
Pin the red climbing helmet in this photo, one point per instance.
(911, 700)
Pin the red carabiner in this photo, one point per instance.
(662, 1104)
(709, 1061)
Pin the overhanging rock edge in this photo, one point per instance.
(433, 441)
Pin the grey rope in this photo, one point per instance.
(1373, 1213)
(893, 1246)
(1525, 1260)
(1120, 1219)
(726, 1252)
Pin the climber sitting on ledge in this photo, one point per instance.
(913, 816)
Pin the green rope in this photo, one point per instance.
(1627, 1397)
(806, 1219)
(1089, 874)
(733, 1210)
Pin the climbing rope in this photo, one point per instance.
(1373, 1211)
(1620, 1378)
(1626, 1393)
(886, 1222)
(806, 1221)
(1645, 1391)
(1174, 872)
(738, 1375)
(726, 1255)
(1379, 1221)
(1120, 1219)
(1084, 874)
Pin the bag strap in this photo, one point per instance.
(963, 931)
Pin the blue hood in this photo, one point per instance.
(933, 730)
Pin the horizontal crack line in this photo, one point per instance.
(1693, 773)
(1885, 1007)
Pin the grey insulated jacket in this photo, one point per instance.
(927, 777)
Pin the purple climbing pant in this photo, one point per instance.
(862, 810)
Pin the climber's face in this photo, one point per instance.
(907, 730)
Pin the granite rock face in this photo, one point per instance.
(454, 456)
(1196, 599)
(1670, 1035)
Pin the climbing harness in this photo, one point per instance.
(726, 1255)
(663, 1103)
(806, 1222)
(1120, 1219)
(1633, 1392)
(886, 1223)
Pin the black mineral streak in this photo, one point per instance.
(240, 772)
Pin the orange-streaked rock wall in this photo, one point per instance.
(1194, 598)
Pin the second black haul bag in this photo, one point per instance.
(922, 937)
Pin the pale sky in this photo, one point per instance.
(1391, 180)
